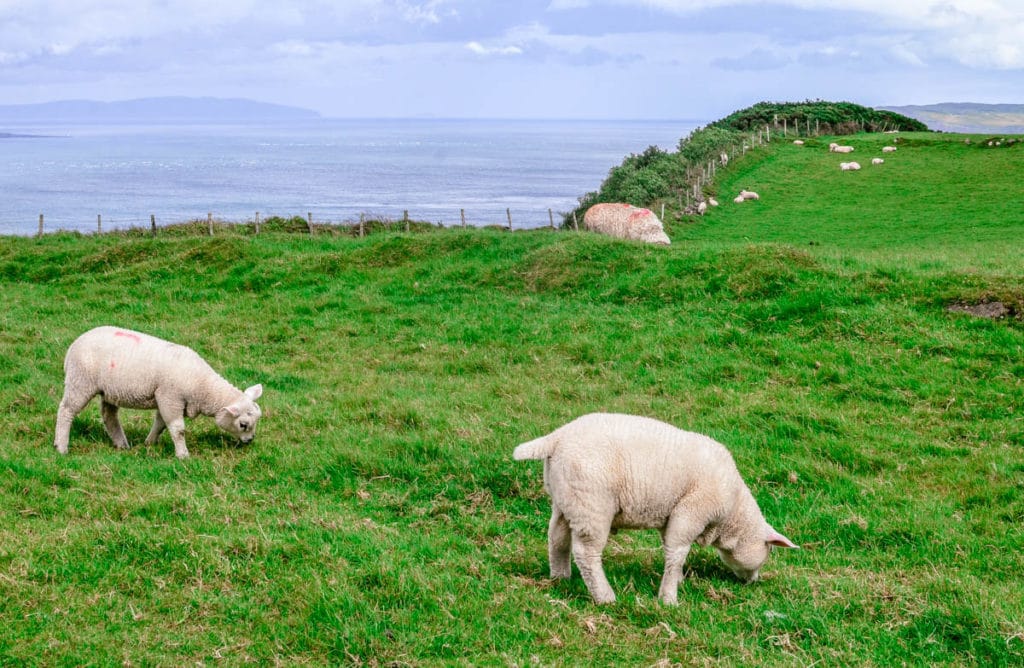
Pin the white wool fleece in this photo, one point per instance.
(606, 471)
(129, 369)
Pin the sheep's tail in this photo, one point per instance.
(539, 448)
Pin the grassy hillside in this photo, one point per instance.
(378, 517)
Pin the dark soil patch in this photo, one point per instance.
(993, 310)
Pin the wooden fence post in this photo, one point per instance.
(575, 223)
(362, 225)
(551, 219)
(462, 214)
(40, 225)
(405, 219)
(152, 224)
(508, 214)
(257, 223)
(209, 223)
(309, 222)
(99, 223)
(662, 212)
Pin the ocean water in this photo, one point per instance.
(334, 169)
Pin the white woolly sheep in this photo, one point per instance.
(712, 201)
(606, 471)
(849, 166)
(134, 370)
(625, 221)
(843, 149)
(739, 199)
(702, 208)
(877, 161)
(749, 194)
(798, 142)
(723, 158)
(832, 147)
(888, 149)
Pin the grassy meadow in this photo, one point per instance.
(378, 518)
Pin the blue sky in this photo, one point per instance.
(622, 59)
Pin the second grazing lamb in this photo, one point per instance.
(134, 370)
(606, 471)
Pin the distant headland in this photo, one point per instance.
(153, 110)
(967, 117)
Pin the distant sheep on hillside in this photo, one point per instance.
(849, 166)
(749, 194)
(841, 149)
(888, 149)
(877, 161)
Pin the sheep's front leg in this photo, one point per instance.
(172, 414)
(177, 429)
(158, 428)
(559, 545)
(586, 549)
(113, 426)
(677, 537)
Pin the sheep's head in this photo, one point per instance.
(747, 557)
(240, 418)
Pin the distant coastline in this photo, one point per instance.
(967, 117)
(154, 110)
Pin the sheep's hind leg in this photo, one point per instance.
(113, 426)
(587, 549)
(559, 545)
(70, 406)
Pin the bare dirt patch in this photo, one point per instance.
(993, 310)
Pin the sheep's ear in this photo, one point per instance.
(778, 540)
(233, 410)
(254, 392)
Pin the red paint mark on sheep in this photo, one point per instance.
(112, 364)
(133, 337)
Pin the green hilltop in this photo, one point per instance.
(656, 176)
(854, 338)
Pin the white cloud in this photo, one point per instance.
(481, 50)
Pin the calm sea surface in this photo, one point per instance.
(334, 169)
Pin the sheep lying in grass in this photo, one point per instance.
(877, 161)
(625, 221)
(849, 166)
(606, 471)
(749, 194)
(134, 370)
(888, 149)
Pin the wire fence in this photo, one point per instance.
(210, 224)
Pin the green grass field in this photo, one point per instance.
(378, 518)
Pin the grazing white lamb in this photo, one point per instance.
(888, 149)
(702, 208)
(842, 149)
(134, 370)
(626, 222)
(739, 199)
(712, 201)
(749, 194)
(606, 471)
(798, 142)
(877, 161)
(849, 166)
